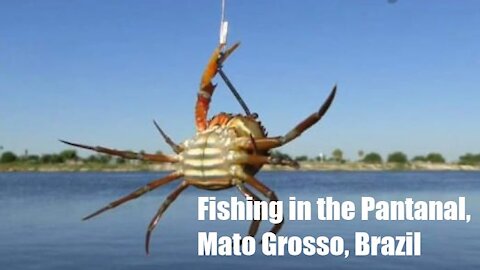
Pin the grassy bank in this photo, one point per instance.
(304, 166)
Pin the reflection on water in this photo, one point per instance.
(41, 227)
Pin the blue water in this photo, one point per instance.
(41, 227)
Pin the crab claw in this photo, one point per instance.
(207, 87)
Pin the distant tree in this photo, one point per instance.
(51, 158)
(120, 160)
(55, 158)
(68, 154)
(397, 157)
(104, 159)
(92, 159)
(435, 158)
(46, 158)
(337, 155)
(470, 159)
(321, 157)
(8, 157)
(301, 158)
(372, 158)
(278, 154)
(32, 158)
(360, 153)
(419, 159)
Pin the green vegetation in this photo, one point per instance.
(301, 158)
(51, 158)
(278, 154)
(360, 154)
(435, 158)
(373, 158)
(102, 159)
(419, 159)
(8, 157)
(470, 159)
(69, 160)
(337, 155)
(69, 156)
(32, 158)
(397, 157)
(432, 158)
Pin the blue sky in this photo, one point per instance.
(98, 72)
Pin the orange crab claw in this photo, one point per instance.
(207, 87)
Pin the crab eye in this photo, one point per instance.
(254, 115)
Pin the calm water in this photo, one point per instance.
(41, 227)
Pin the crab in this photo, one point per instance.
(226, 152)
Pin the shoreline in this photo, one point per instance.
(304, 166)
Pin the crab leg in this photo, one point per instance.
(206, 86)
(137, 193)
(161, 210)
(175, 147)
(126, 154)
(273, 142)
(252, 231)
(267, 192)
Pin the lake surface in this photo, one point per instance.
(41, 227)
